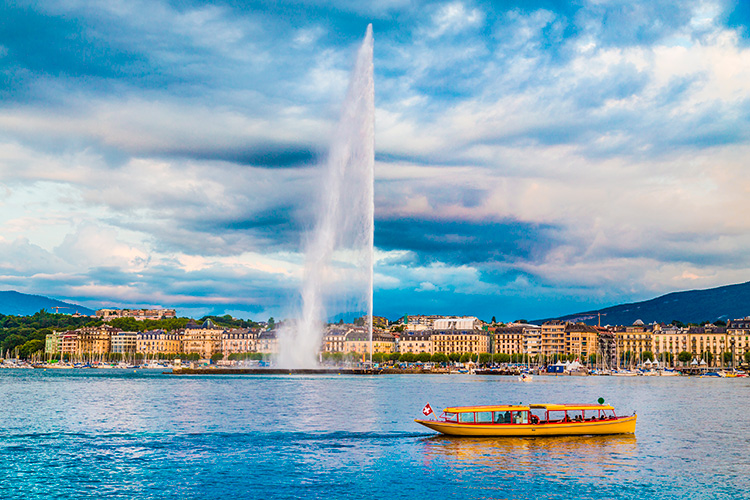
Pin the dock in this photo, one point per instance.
(275, 371)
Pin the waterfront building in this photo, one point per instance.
(708, 343)
(358, 340)
(738, 338)
(155, 342)
(508, 339)
(238, 340)
(607, 348)
(633, 341)
(552, 336)
(460, 335)
(204, 340)
(668, 342)
(581, 340)
(334, 338)
(124, 342)
(415, 342)
(68, 343)
(532, 340)
(267, 342)
(52, 343)
(95, 340)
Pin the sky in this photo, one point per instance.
(533, 158)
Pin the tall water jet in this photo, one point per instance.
(339, 249)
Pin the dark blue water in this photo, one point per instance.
(120, 434)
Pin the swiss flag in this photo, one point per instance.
(427, 409)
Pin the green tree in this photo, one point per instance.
(424, 357)
(708, 356)
(394, 356)
(377, 357)
(647, 355)
(439, 357)
(502, 357)
(11, 342)
(217, 356)
(484, 358)
(454, 356)
(29, 348)
(684, 357)
(678, 324)
(407, 357)
(666, 357)
(593, 358)
(494, 321)
(271, 323)
(747, 356)
(465, 358)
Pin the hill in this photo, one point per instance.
(21, 304)
(692, 306)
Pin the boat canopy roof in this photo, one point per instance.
(465, 409)
(548, 407)
(556, 407)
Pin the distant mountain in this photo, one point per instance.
(21, 304)
(692, 306)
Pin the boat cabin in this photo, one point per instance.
(527, 414)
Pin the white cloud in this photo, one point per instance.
(453, 18)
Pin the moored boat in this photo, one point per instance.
(531, 420)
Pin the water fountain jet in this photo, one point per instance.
(339, 249)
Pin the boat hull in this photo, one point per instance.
(622, 425)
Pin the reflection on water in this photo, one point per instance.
(560, 456)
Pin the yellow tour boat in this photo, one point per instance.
(530, 420)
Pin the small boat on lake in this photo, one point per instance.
(530, 420)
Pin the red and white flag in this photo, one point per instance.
(427, 409)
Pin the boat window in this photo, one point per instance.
(484, 417)
(520, 417)
(502, 417)
(540, 414)
(556, 416)
(575, 415)
(466, 418)
(608, 414)
(451, 417)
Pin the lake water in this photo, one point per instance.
(144, 435)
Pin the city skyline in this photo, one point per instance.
(533, 159)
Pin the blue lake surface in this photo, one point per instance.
(124, 434)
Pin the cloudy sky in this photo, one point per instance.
(533, 158)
